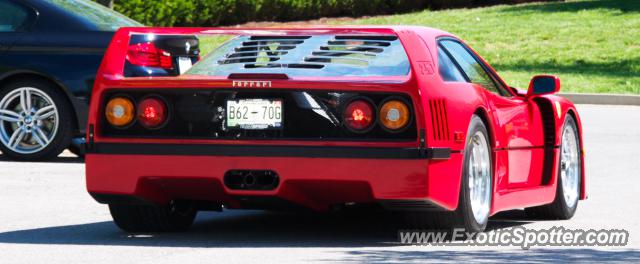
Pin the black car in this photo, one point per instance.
(50, 51)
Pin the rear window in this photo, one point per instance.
(103, 18)
(318, 55)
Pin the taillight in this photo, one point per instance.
(152, 112)
(358, 115)
(394, 115)
(147, 54)
(119, 111)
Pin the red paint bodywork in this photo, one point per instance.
(515, 125)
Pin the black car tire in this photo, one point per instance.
(463, 216)
(77, 148)
(66, 124)
(559, 209)
(175, 217)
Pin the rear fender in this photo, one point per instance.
(562, 108)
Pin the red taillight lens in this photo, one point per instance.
(147, 54)
(152, 112)
(358, 115)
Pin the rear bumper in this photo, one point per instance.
(312, 177)
(270, 151)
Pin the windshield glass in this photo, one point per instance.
(317, 55)
(103, 18)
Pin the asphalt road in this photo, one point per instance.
(47, 217)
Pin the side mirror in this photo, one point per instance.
(543, 84)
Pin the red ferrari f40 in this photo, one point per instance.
(404, 118)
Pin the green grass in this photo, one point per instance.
(208, 43)
(593, 46)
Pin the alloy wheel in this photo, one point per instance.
(479, 177)
(569, 166)
(28, 120)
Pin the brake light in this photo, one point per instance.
(152, 112)
(147, 54)
(358, 116)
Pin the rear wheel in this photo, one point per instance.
(475, 197)
(565, 204)
(175, 217)
(36, 121)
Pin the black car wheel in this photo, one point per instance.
(174, 217)
(476, 187)
(77, 147)
(36, 120)
(565, 204)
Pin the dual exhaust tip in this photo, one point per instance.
(261, 180)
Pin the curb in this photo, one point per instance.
(602, 99)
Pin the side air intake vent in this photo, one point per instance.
(439, 119)
(351, 50)
(548, 122)
(549, 130)
(263, 51)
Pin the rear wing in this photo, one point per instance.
(318, 51)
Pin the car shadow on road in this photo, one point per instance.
(540, 255)
(260, 229)
(241, 228)
(59, 159)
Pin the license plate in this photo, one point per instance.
(184, 64)
(254, 114)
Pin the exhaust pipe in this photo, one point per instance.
(251, 180)
(248, 180)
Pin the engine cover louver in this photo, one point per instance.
(266, 51)
(439, 119)
(351, 50)
(304, 55)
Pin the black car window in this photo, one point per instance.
(471, 67)
(448, 70)
(103, 18)
(12, 16)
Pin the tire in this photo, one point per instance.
(77, 147)
(41, 133)
(175, 217)
(76, 150)
(463, 217)
(565, 203)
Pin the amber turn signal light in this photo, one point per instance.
(394, 115)
(120, 111)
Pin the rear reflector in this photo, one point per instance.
(148, 55)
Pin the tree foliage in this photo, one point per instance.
(229, 12)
